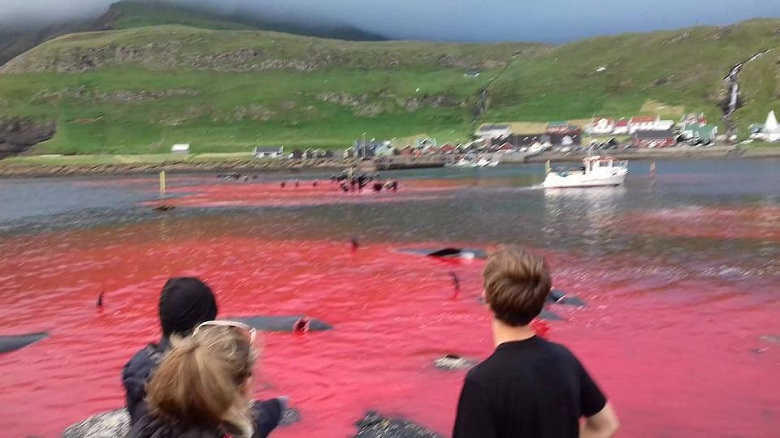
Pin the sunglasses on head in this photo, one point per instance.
(248, 331)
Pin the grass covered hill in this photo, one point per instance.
(17, 38)
(140, 89)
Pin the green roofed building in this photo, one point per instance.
(701, 133)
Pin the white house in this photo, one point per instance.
(603, 126)
(649, 123)
(488, 131)
(268, 152)
(181, 148)
(770, 131)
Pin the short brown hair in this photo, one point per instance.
(516, 285)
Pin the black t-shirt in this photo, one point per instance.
(530, 388)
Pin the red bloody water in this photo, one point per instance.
(679, 354)
(306, 193)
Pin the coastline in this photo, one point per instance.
(677, 152)
(32, 167)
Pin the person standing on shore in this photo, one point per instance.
(528, 386)
(185, 303)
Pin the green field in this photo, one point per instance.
(141, 90)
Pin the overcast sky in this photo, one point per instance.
(455, 20)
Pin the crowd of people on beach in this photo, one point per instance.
(195, 382)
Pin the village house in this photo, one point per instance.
(268, 152)
(602, 126)
(373, 149)
(525, 140)
(181, 148)
(489, 131)
(621, 127)
(296, 154)
(769, 131)
(698, 134)
(693, 119)
(654, 139)
(648, 123)
(563, 133)
(447, 149)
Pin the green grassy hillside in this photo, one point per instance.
(140, 90)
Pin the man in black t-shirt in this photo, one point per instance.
(528, 387)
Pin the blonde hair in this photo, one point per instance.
(200, 382)
(516, 285)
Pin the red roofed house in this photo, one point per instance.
(649, 123)
(447, 148)
(642, 123)
(621, 127)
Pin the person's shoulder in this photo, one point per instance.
(555, 348)
(142, 362)
(485, 370)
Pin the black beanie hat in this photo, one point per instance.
(185, 302)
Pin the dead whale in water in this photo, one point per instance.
(374, 425)
(451, 362)
(559, 297)
(116, 423)
(10, 343)
(449, 253)
(283, 323)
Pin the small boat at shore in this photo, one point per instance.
(467, 162)
(595, 172)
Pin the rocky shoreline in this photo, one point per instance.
(54, 169)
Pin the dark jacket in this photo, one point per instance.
(136, 373)
(154, 427)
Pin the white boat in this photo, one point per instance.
(595, 172)
(463, 162)
(470, 163)
(483, 162)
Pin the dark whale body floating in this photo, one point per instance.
(281, 323)
(9, 343)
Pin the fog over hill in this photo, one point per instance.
(441, 20)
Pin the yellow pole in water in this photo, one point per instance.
(162, 184)
(547, 167)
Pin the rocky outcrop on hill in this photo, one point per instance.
(118, 96)
(158, 51)
(19, 134)
(375, 104)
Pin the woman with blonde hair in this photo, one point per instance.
(202, 387)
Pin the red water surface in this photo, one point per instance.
(677, 356)
(273, 194)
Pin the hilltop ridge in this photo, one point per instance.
(127, 14)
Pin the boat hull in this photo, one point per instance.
(572, 180)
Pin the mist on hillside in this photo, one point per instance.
(444, 20)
